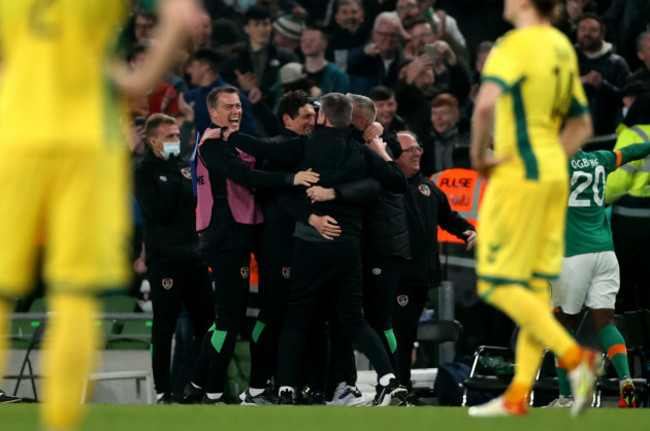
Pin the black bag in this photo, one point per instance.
(449, 389)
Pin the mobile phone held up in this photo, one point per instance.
(430, 50)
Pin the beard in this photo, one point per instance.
(590, 45)
(351, 25)
(428, 90)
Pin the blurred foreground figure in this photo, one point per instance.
(76, 163)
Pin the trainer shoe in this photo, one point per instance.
(266, 398)
(316, 398)
(192, 395)
(215, 402)
(286, 398)
(628, 394)
(499, 407)
(390, 395)
(583, 378)
(346, 395)
(6, 399)
(165, 398)
(560, 402)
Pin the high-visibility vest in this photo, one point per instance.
(631, 179)
(464, 189)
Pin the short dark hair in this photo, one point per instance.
(225, 32)
(140, 47)
(591, 15)
(256, 13)
(291, 102)
(321, 30)
(547, 8)
(208, 56)
(154, 121)
(418, 21)
(337, 108)
(213, 96)
(344, 2)
(381, 93)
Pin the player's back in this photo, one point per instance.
(53, 89)
(587, 228)
(537, 69)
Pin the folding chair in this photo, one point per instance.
(26, 368)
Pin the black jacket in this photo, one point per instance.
(222, 161)
(276, 235)
(385, 228)
(338, 158)
(241, 60)
(163, 189)
(427, 208)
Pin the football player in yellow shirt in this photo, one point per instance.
(64, 170)
(531, 88)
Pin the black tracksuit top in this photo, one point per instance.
(163, 189)
(427, 208)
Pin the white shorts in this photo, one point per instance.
(590, 279)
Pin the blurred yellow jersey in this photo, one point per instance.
(53, 88)
(537, 69)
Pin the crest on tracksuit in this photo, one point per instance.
(286, 272)
(425, 190)
(402, 300)
(245, 272)
(167, 283)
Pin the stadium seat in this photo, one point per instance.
(135, 334)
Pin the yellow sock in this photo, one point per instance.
(5, 309)
(528, 358)
(69, 355)
(531, 311)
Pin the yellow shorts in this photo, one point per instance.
(74, 204)
(520, 231)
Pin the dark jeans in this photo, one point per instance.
(322, 269)
(172, 285)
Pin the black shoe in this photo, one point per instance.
(286, 398)
(390, 395)
(316, 398)
(6, 399)
(413, 400)
(192, 395)
(216, 402)
(166, 399)
(267, 397)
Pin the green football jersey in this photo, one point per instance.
(587, 228)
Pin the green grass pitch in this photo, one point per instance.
(280, 418)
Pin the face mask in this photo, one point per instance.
(171, 149)
(624, 111)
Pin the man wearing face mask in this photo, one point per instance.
(177, 273)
